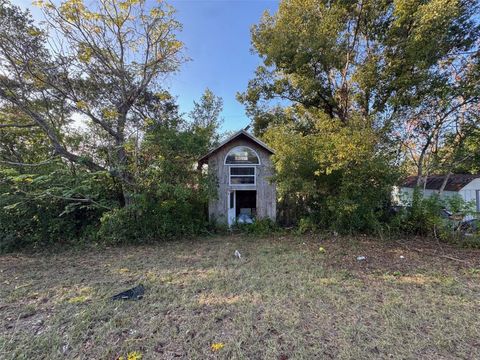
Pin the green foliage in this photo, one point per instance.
(101, 62)
(471, 242)
(172, 195)
(131, 163)
(306, 225)
(332, 175)
(260, 227)
(422, 218)
(154, 219)
(366, 56)
(363, 198)
(50, 206)
(359, 80)
(205, 117)
(346, 73)
(427, 217)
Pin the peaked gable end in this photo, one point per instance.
(239, 135)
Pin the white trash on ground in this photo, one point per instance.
(361, 258)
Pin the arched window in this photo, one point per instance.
(242, 155)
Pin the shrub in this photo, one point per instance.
(333, 174)
(360, 199)
(33, 212)
(259, 227)
(152, 219)
(38, 224)
(306, 225)
(429, 217)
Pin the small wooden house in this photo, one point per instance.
(243, 171)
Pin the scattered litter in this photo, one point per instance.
(321, 250)
(402, 257)
(361, 258)
(237, 254)
(135, 293)
(335, 233)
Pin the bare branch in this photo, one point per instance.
(81, 200)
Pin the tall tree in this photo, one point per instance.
(99, 62)
(339, 78)
(365, 56)
(434, 131)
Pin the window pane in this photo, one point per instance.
(242, 155)
(242, 180)
(242, 171)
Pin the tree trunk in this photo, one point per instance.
(122, 162)
(420, 179)
(444, 183)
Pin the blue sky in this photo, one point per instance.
(216, 34)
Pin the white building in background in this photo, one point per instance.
(465, 185)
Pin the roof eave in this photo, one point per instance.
(205, 157)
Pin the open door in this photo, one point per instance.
(246, 203)
(231, 208)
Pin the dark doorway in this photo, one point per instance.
(246, 202)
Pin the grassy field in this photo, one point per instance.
(285, 299)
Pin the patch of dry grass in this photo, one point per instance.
(284, 300)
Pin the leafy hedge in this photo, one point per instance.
(152, 219)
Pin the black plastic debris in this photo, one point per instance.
(135, 293)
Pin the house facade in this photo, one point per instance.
(243, 170)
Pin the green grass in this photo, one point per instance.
(285, 299)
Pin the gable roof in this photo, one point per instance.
(434, 182)
(237, 135)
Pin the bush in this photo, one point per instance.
(334, 174)
(259, 227)
(306, 225)
(151, 219)
(39, 224)
(359, 200)
(429, 217)
(34, 214)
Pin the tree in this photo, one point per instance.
(332, 175)
(86, 127)
(101, 61)
(361, 57)
(340, 83)
(21, 141)
(205, 117)
(434, 132)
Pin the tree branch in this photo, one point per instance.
(26, 164)
(82, 200)
(3, 126)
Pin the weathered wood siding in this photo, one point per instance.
(266, 191)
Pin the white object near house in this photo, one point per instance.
(243, 171)
(465, 185)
